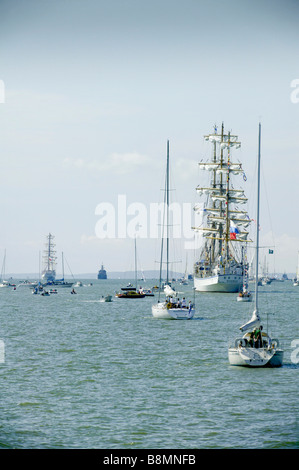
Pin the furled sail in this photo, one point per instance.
(253, 322)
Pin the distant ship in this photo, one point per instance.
(49, 260)
(102, 273)
(220, 267)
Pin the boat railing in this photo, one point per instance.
(243, 342)
(275, 342)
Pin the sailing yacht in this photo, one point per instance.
(130, 292)
(224, 226)
(4, 282)
(245, 294)
(256, 348)
(170, 308)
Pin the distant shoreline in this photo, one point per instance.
(118, 275)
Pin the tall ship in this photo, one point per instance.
(222, 261)
(49, 260)
(102, 274)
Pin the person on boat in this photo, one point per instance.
(251, 342)
(73, 291)
(184, 303)
(258, 342)
(261, 336)
(178, 305)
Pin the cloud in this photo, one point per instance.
(120, 163)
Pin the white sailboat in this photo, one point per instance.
(245, 295)
(296, 280)
(4, 282)
(256, 348)
(170, 308)
(224, 228)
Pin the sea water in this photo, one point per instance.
(80, 373)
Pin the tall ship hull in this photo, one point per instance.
(222, 260)
(219, 283)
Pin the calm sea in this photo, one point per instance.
(80, 373)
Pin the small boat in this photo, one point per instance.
(146, 292)
(244, 295)
(130, 294)
(78, 284)
(255, 348)
(266, 281)
(73, 291)
(45, 293)
(129, 287)
(107, 298)
(38, 289)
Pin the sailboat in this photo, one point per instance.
(4, 282)
(49, 259)
(245, 294)
(296, 280)
(184, 280)
(130, 292)
(220, 267)
(256, 348)
(170, 308)
(61, 282)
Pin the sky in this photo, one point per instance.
(90, 93)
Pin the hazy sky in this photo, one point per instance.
(93, 90)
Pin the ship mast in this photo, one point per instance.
(227, 203)
(167, 209)
(257, 223)
(221, 198)
(49, 254)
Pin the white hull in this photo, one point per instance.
(251, 357)
(160, 310)
(219, 283)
